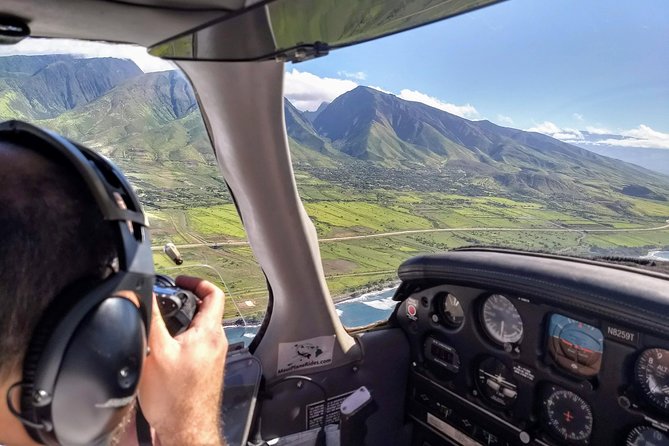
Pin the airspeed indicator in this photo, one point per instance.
(501, 320)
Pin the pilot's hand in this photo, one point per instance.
(180, 388)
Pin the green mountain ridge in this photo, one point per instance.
(40, 87)
(149, 121)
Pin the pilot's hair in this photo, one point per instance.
(52, 235)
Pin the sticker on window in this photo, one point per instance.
(308, 353)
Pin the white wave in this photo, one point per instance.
(339, 312)
(372, 295)
(249, 335)
(657, 255)
(381, 304)
(242, 326)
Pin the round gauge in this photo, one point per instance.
(647, 436)
(652, 375)
(575, 346)
(452, 311)
(567, 416)
(501, 320)
(495, 382)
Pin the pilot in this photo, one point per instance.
(52, 235)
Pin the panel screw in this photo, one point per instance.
(435, 318)
(624, 402)
(41, 397)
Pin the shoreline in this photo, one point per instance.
(385, 286)
(340, 298)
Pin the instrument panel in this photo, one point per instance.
(498, 365)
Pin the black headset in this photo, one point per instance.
(83, 362)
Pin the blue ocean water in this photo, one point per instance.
(362, 310)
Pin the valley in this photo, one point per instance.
(382, 179)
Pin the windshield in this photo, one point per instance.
(528, 125)
(141, 112)
(539, 126)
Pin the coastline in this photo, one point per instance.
(385, 286)
(657, 254)
(338, 299)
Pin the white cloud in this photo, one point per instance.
(88, 49)
(380, 89)
(504, 120)
(642, 136)
(552, 130)
(307, 91)
(598, 130)
(466, 111)
(577, 116)
(358, 75)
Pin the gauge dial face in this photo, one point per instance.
(575, 346)
(496, 383)
(501, 320)
(567, 416)
(452, 312)
(652, 375)
(647, 436)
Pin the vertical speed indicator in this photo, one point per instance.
(501, 320)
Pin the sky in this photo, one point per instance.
(559, 67)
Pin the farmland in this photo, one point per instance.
(350, 224)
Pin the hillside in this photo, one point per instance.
(382, 178)
(364, 138)
(41, 87)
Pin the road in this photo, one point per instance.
(426, 231)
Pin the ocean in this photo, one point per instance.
(365, 309)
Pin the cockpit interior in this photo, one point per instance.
(484, 345)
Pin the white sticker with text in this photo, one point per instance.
(298, 355)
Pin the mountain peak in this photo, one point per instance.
(54, 85)
(312, 115)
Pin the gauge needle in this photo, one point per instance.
(501, 328)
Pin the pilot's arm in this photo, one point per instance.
(180, 387)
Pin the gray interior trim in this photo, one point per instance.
(104, 20)
(384, 370)
(243, 104)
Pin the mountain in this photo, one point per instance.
(376, 127)
(22, 66)
(312, 115)
(153, 116)
(653, 159)
(365, 137)
(45, 86)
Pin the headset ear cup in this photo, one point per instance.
(99, 373)
(40, 337)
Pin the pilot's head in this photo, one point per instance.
(53, 235)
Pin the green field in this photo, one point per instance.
(446, 221)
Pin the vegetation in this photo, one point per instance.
(382, 179)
